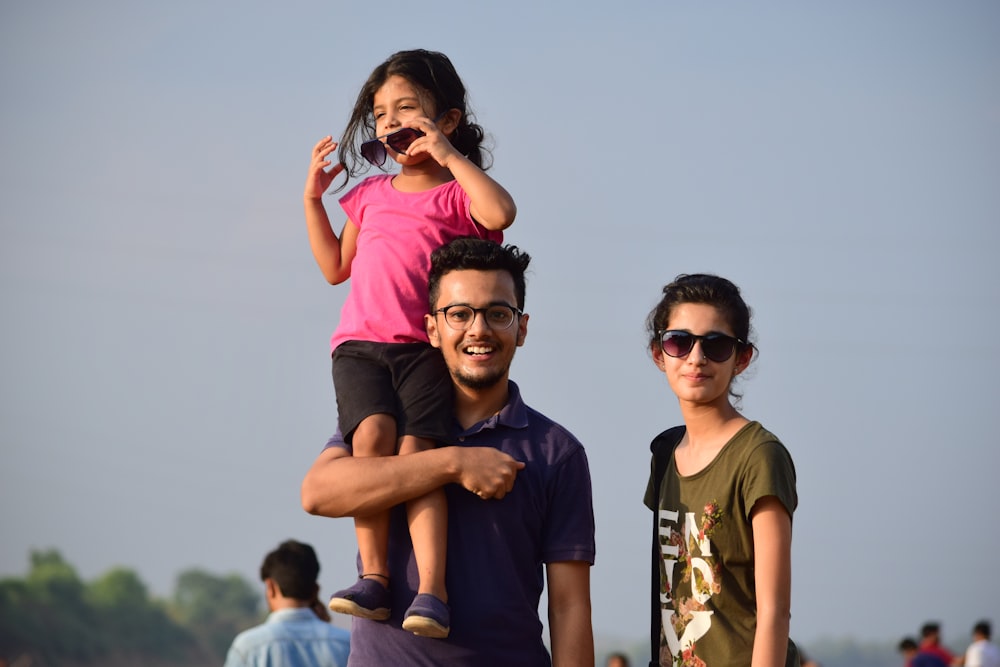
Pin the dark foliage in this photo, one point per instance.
(55, 618)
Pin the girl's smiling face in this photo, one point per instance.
(695, 378)
(394, 104)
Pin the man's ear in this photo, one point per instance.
(430, 324)
(271, 589)
(522, 329)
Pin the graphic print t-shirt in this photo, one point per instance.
(707, 568)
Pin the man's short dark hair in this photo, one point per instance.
(930, 628)
(907, 644)
(294, 568)
(468, 253)
(983, 629)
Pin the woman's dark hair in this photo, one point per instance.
(439, 85)
(701, 288)
(704, 288)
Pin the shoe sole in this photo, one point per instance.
(344, 606)
(425, 627)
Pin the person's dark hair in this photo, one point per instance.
(441, 89)
(468, 253)
(701, 288)
(294, 568)
(907, 644)
(983, 629)
(930, 628)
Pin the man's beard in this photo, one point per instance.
(480, 382)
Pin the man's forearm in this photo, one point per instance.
(570, 629)
(339, 484)
(572, 637)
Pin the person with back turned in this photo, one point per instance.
(297, 633)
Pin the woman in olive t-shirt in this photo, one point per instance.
(726, 500)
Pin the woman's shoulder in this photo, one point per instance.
(766, 467)
(755, 437)
(754, 431)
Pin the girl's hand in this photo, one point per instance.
(318, 178)
(434, 142)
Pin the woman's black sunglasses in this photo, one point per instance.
(716, 347)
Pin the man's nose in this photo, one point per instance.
(479, 324)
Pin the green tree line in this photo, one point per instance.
(52, 617)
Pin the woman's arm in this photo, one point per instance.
(772, 544)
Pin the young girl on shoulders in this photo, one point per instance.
(394, 395)
(724, 506)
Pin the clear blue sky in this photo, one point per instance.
(164, 357)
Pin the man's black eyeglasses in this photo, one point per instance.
(497, 317)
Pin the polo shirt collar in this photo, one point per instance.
(513, 415)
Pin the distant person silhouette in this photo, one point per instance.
(917, 657)
(930, 642)
(982, 652)
(297, 633)
(617, 660)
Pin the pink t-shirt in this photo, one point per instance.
(397, 233)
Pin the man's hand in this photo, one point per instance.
(487, 472)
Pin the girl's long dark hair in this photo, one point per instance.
(433, 75)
